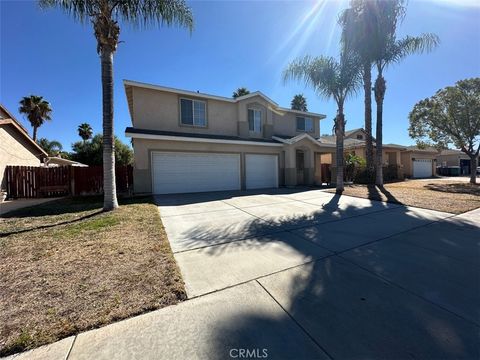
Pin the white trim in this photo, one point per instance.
(192, 139)
(301, 137)
(216, 97)
(321, 116)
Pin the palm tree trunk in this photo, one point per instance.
(380, 88)
(110, 194)
(367, 87)
(340, 132)
(35, 133)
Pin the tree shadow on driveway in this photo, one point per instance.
(349, 303)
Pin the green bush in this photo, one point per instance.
(363, 176)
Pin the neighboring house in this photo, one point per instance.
(16, 146)
(454, 158)
(410, 161)
(354, 142)
(53, 161)
(419, 163)
(188, 141)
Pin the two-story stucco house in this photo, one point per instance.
(187, 141)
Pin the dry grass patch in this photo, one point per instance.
(67, 267)
(440, 195)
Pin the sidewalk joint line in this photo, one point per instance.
(71, 347)
(296, 322)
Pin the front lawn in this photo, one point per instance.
(449, 196)
(66, 267)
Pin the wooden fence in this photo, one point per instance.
(35, 182)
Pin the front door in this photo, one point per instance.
(300, 163)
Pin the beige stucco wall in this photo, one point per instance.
(143, 148)
(407, 161)
(286, 124)
(160, 110)
(15, 150)
(287, 159)
(450, 159)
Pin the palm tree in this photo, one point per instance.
(330, 79)
(390, 50)
(299, 102)
(85, 131)
(105, 16)
(242, 91)
(52, 148)
(36, 110)
(357, 34)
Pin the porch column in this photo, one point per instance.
(290, 167)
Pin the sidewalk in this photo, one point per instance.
(371, 301)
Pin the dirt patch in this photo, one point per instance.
(67, 267)
(440, 195)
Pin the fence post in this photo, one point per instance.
(72, 180)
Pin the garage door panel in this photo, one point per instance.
(195, 172)
(261, 171)
(422, 168)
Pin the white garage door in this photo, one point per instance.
(261, 171)
(422, 168)
(194, 172)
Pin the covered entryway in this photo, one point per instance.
(422, 168)
(194, 172)
(261, 171)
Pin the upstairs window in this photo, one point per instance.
(193, 112)
(359, 137)
(254, 120)
(304, 124)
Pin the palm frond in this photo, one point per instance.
(398, 50)
(139, 13)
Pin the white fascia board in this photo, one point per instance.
(202, 140)
(176, 91)
(321, 116)
(215, 97)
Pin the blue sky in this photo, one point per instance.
(234, 44)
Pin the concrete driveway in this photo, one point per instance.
(360, 278)
(305, 274)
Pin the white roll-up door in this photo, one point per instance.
(194, 172)
(422, 168)
(261, 171)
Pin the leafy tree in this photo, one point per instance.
(451, 116)
(242, 91)
(52, 148)
(37, 110)
(85, 131)
(388, 51)
(91, 153)
(299, 102)
(105, 16)
(330, 78)
(352, 162)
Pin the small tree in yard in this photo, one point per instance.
(451, 116)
